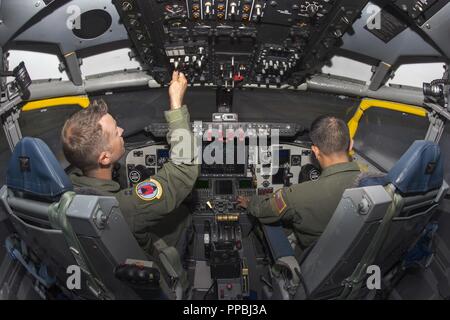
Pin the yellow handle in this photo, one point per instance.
(82, 101)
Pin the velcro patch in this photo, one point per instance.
(280, 204)
(149, 190)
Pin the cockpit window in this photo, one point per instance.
(384, 135)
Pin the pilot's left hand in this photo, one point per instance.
(243, 202)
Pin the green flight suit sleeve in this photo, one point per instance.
(171, 184)
(272, 208)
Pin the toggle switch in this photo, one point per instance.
(258, 10)
(233, 8)
(207, 8)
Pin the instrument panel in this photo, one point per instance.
(420, 10)
(220, 183)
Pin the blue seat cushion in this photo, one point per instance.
(419, 170)
(34, 169)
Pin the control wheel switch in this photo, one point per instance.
(138, 274)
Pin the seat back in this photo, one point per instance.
(406, 228)
(35, 179)
(361, 233)
(420, 188)
(77, 230)
(29, 220)
(344, 241)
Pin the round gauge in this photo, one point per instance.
(314, 175)
(309, 172)
(134, 176)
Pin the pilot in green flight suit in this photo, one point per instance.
(306, 208)
(93, 142)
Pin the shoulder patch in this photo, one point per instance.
(149, 190)
(280, 204)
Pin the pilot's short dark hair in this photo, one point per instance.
(83, 138)
(330, 134)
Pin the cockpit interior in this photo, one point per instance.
(259, 73)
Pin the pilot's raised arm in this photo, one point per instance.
(153, 199)
(93, 143)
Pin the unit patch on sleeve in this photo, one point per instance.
(149, 190)
(279, 202)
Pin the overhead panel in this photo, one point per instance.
(235, 42)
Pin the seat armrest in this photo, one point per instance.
(283, 257)
(279, 244)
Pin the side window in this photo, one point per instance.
(384, 135)
(47, 124)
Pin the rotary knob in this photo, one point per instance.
(126, 6)
(312, 9)
(134, 22)
(140, 36)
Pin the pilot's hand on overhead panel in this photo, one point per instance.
(177, 89)
(243, 202)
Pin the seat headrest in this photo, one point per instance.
(419, 170)
(34, 169)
